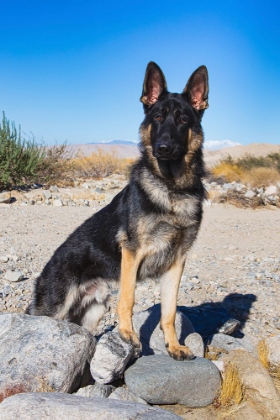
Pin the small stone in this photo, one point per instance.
(57, 202)
(53, 189)
(195, 343)
(249, 194)
(4, 258)
(96, 390)
(230, 326)
(47, 194)
(272, 190)
(14, 276)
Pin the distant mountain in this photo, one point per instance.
(220, 144)
(112, 142)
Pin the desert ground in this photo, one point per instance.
(235, 262)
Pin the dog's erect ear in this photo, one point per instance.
(196, 90)
(154, 84)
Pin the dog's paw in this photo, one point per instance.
(180, 352)
(132, 338)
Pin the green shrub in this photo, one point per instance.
(18, 157)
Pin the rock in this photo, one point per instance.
(58, 406)
(111, 357)
(5, 197)
(42, 354)
(225, 343)
(259, 390)
(159, 379)
(146, 324)
(272, 190)
(57, 202)
(53, 189)
(4, 258)
(195, 343)
(124, 394)
(47, 194)
(14, 276)
(230, 326)
(96, 390)
(249, 194)
(273, 350)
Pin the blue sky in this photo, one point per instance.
(73, 70)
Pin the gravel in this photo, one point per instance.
(234, 263)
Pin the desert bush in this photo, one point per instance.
(19, 157)
(101, 164)
(56, 166)
(257, 171)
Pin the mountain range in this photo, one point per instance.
(208, 145)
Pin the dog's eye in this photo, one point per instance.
(158, 117)
(182, 120)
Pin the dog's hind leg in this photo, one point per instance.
(169, 286)
(129, 267)
(92, 316)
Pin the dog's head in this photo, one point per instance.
(171, 128)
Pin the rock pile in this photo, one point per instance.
(89, 194)
(58, 367)
(243, 195)
(101, 192)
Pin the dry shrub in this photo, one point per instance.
(101, 164)
(228, 171)
(56, 167)
(232, 391)
(258, 177)
(257, 171)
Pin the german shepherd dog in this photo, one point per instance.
(147, 229)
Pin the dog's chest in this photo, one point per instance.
(171, 230)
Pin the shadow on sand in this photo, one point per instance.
(206, 318)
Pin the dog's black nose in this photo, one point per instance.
(164, 149)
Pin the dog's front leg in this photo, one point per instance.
(129, 267)
(169, 286)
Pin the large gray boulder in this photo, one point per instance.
(111, 357)
(58, 406)
(159, 379)
(42, 354)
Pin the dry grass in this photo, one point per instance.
(263, 354)
(257, 172)
(101, 164)
(258, 177)
(227, 171)
(232, 391)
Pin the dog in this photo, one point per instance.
(146, 230)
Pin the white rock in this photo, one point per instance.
(110, 359)
(57, 202)
(14, 276)
(272, 190)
